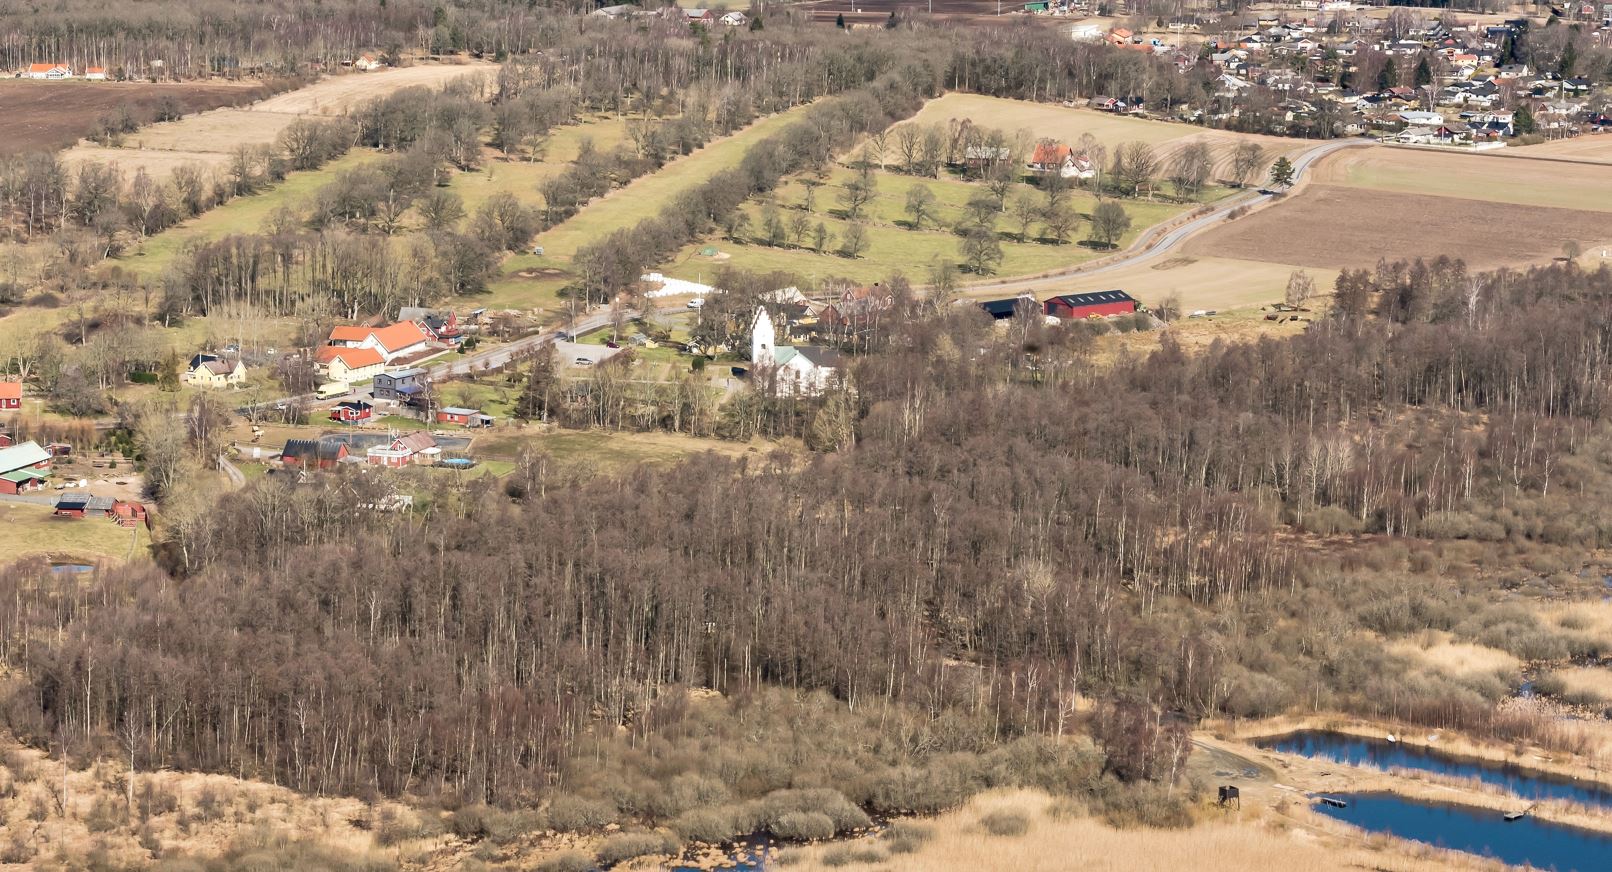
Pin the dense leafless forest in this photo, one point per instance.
(1005, 525)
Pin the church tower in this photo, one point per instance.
(762, 339)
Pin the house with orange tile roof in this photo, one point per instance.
(403, 339)
(349, 364)
(48, 71)
(10, 395)
(95, 74)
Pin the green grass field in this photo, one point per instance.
(893, 246)
(28, 530)
(241, 215)
(521, 177)
(644, 197)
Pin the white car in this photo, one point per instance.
(696, 303)
(583, 361)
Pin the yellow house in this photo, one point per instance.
(350, 365)
(211, 371)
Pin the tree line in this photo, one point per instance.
(1056, 526)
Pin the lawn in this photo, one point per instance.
(496, 400)
(893, 246)
(28, 530)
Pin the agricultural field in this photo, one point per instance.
(1495, 177)
(1588, 148)
(210, 137)
(1051, 121)
(893, 245)
(1335, 227)
(45, 116)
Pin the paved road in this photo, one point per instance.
(1157, 243)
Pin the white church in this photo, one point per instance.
(805, 370)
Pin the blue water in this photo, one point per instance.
(754, 850)
(1528, 841)
(1517, 780)
(71, 568)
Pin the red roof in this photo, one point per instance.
(354, 358)
(393, 338)
(401, 335)
(349, 334)
(93, 70)
(10, 390)
(1050, 154)
(45, 68)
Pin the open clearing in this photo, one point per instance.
(1337, 227)
(614, 451)
(30, 530)
(208, 138)
(1211, 283)
(1045, 120)
(45, 116)
(1497, 177)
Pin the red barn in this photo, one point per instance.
(312, 454)
(10, 395)
(1094, 304)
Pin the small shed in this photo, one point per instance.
(1003, 309)
(79, 505)
(129, 513)
(457, 415)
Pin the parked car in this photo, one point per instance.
(696, 303)
(583, 361)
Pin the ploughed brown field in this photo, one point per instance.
(1335, 227)
(45, 116)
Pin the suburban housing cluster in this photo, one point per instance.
(1334, 69)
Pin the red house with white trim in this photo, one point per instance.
(1092, 304)
(352, 412)
(10, 395)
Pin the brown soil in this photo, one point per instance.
(1336, 227)
(44, 116)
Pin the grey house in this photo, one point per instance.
(400, 386)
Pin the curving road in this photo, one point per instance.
(1158, 242)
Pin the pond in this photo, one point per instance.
(71, 568)
(1530, 841)
(748, 855)
(1517, 780)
